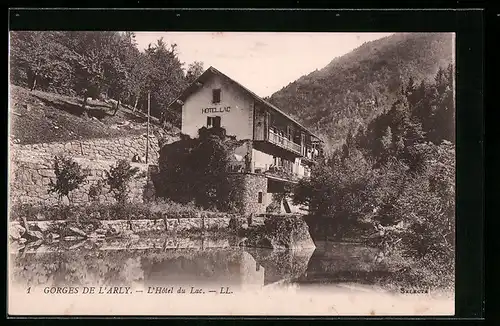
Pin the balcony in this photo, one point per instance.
(283, 142)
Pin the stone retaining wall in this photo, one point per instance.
(30, 173)
(101, 148)
(139, 226)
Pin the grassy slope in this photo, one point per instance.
(38, 117)
(337, 98)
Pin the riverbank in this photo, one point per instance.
(30, 223)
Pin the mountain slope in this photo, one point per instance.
(355, 88)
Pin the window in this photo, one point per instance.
(216, 95)
(213, 122)
(217, 122)
(260, 197)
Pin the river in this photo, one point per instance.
(196, 265)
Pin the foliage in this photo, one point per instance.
(109, 211)
(118, 178)
(165, 81)
(69, 176)
(93, 63)
(37, 58)
(194, 71)
(196, 170)
(96, 190)
(397, 176)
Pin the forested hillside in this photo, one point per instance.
(101, 65)
(354, 89)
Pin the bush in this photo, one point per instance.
(96, 190)
(118, 178)
(69, 176)
(196, 170)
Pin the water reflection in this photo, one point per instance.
(162, 262)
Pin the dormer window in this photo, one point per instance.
(216, 95)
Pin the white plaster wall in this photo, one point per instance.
(238, 122)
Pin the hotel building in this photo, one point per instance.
(277, 150)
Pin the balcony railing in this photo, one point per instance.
(283, 142)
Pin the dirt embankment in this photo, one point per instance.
(41, 117)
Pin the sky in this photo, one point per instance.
(262, 62)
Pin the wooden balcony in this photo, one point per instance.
(283, 142)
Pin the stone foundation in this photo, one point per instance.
(246, 188)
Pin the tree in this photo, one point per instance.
(69, 176)
(118, 178)
(197, 169)
(138, 77)
(194, 71)
(165, 80)
(118, 67)
(93, 55)
(40, 56)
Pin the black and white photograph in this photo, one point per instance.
(231, 173)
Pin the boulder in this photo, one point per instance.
(53, 236)
(43, 226)
(113, 231)
(280, 232)
(16, 231)
(76, 231)
(33, 235)
(16, 246)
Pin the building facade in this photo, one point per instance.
(277, 150)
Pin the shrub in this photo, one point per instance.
(197, 170)
(118, 178)
(69, 176)
(96, 190)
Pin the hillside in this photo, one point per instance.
(38, 117)
(355, 88)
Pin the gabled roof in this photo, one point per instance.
(212, 71)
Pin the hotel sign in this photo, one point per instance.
(216, 110)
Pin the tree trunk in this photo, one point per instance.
(136, 101)
(33, 84)
(116, 107)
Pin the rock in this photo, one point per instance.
(281, 232)
(43, 248)
(72, 238)
(35, 244)
(33, 235)
(113, 231)
(16, 246)
(77, 245)
(127, 233)
(43, 226)
(76, 231)
(52, 236)
(16, 231)
(134, 237)
(95, 235)
(101, 231)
